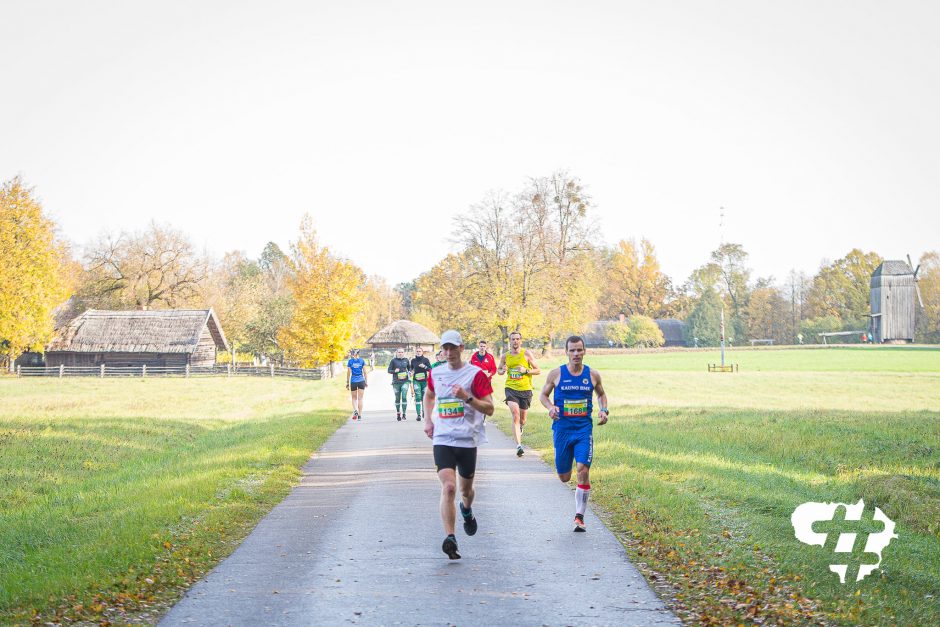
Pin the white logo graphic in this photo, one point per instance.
(806, 514)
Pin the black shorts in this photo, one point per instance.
(358, 385)
(459, 457)
(522, 399)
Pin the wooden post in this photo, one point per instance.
(19, 371)
(228, 370)
(102, 371)
(143, 370)
(187, 371)
(272, 371)
(61, 370)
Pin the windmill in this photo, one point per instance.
(894, 296)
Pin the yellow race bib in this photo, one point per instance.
(450, 408)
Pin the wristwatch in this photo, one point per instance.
(469, 399)
(604, 409)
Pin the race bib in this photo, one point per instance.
(401, 375)
(420, 376)
(514, 374)
(575, 408)
(450, 408)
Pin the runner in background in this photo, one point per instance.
(356, 382)
(518, 365)
(400, 369)
(420, 368)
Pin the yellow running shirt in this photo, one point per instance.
(516, 380)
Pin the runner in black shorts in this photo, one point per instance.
(463, 459)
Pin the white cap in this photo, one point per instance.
(451, 337)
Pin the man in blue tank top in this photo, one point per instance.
(571, 407)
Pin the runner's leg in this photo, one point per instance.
(514, 409)
(419, 397)
(448, 477)
(360, 394)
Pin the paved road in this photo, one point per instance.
(358, 541)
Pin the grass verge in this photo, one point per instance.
(699, 478)
(119, 494)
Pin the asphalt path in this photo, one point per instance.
(359, 542)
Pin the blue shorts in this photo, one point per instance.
(572, 446)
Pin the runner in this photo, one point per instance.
(570, 410)
(454, 422)
(420, 367)
(400, 370)
(484, 360)
(440, 359)
(519, 366)
(356, 382)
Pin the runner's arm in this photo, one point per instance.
(534, 369)
(545, 396)
(428, 408)
(601, 398)
(502, 364)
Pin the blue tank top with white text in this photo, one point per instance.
(573, 398)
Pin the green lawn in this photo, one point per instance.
(700, 472)
(117, 494)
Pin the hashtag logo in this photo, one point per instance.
(854, 536)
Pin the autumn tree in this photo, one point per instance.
(380, 305)
(635, 283)
(33, 268)
(928, 318)
(153, 269)
(636, 331)
(326, 292)
(767, 313)
(843, 288)
(236, 290)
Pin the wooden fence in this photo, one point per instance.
(103, 371)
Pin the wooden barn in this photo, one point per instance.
(894, 298)
(404, 334)
(157, 339)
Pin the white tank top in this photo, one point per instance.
(456, 423)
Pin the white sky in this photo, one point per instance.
(815, 124)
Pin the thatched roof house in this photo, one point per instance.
(404, 334)
(172, 338)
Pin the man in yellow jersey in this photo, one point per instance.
(518, 365)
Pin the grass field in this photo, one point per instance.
(118, 494)
(699, 473)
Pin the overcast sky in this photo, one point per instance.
(816, 125)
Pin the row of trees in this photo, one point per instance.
(522, 260)
(306, 306)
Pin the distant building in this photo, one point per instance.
(157, 339)
(595, 333)
(404, 334)
(894, 297)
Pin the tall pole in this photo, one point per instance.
(722, 336)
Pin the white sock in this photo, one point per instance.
(581, 495)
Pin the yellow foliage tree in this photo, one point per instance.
(635, 284)
(327, 292)
(33, 269)
(380, 305)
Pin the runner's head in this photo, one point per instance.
(574, 347)
(452, 347)
(481, 347)
(400, 353)
(419, 351)
(354, 352)
(515, 340)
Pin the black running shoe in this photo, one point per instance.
(579, 522)
(469, 520)
(450, 547)
(418, 418)
(519, 451)
(398, 417)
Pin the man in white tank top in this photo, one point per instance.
(457, 399)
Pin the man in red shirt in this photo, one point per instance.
(483, 360)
